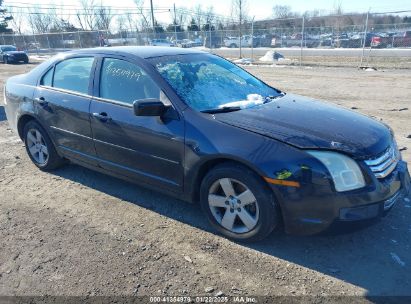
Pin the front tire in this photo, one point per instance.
(40, 148)
(238, 204)
(5, 60)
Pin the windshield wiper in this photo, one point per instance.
(271, 97)
(221, 110)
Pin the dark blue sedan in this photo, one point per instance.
(10, 54)
(200, 128)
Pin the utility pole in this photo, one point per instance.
(365, 37)
(175, 25)
(152, 17)
(252, 39)
(302, 42)
(240, 9)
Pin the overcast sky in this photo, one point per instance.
(258, 8)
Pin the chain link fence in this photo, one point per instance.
(363, 41)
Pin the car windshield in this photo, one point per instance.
(8, 48)
(206, 82)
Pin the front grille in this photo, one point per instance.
(384, 164)
(20, 56)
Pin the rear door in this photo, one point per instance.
(62, 102)
(149, 149)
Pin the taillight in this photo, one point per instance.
(376, 39)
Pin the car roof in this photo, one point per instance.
(139, 51)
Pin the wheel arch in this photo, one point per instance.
(24, 119)
(200, 171)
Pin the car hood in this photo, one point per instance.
(311, 124)
(15, 52)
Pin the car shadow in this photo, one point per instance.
(364, 258)
(2, 114)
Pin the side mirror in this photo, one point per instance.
(149, 107)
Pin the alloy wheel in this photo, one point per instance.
(37, 146)
(233, 205)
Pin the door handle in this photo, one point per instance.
(41, 101)
(102, 116)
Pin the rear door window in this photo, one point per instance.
(73, 74)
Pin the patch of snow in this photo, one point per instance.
(243, 61)
(40, 57)
(252, 100)
(271, 56)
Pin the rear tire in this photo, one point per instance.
(40, 148)
(249, 214)
(5, 60)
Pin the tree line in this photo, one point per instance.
(91, 15)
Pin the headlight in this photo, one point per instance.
(345, 171)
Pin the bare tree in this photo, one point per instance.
(282, 11)
(198, 15)
(87, 17)
(18, 20)
(144, 16)
(132, 22)
(338, 10)
(103, 18)
(181, 16)
(121, 21)
(209, 18)
(41, 22)
(238, 11)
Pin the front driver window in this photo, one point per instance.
(126, 82)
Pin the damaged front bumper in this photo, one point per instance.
(312, 209)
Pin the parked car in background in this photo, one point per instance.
(326, 40)
(402, 39)
(234, 42)
(382, 40)
(295, 41)
(198, 127)
(215, 41)
(262, 40)
(185, 43)
(161, 42)
(354, 41)
(10, 54)
(197, 42)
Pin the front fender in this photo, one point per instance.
(209, 141)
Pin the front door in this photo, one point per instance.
(148, 149)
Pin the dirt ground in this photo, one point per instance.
(77, 232)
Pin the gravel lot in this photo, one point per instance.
(77, 232)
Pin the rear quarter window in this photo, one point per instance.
(47, 79)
